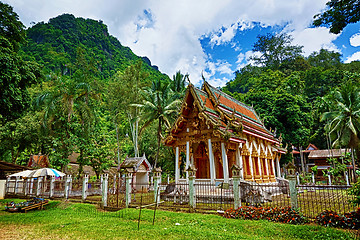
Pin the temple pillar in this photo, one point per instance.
(260, 169)
(187, 158)
(251, 168)
(212, 162)
(239, 162)
(177, 168)
(225, 163)
(267, 169)
(278, 166)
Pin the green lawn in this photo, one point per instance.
(62, 220)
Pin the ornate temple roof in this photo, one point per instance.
(228, 116)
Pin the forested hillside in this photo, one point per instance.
(55, 45)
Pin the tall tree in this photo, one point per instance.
(343, 117)
(16, 74)
(158, 105)
(125, 91)
(11, 27)
(274, 50)
(178, 84)
(338, 14)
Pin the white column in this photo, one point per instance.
(239, 161)
(251, 168)
(273, 166)
(260, 167)
(187, 158)
(212, 162)
(225, 163)
(177, 169)
(278, 167)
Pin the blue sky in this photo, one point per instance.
(203, 37)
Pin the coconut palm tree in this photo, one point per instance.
(178, 83)
(158, 105)
(343, 117)
(67, 103)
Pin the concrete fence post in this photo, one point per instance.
(67, 186)
(104, 190)
(298, 178)
(329, 178)
(128, 178)
(313, 177)
(38, 187)
(27, 185)
(52, 186)
(85, 187)
(236, 189)
(236, 175)
(347, 178)
(292, 184)
(101, 182)
(192, 191)
(16, 184)
(7, 190)
(156, 191)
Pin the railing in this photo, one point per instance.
(314, 199)
(311, 199)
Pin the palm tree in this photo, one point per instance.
(343, 117)
(159, 105)
(178, 83)
(66, 103)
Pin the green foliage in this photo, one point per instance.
(55, 45)
(355, 191)
(274, 50)
(10, 27)
(314, 169)
(338, 15)
(338, 167)
(159, 105)
(330, 218)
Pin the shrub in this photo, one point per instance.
(355, 191)
(275, 214)
(330, 218)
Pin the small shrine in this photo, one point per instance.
(215, 131)
(38, 161)
(140, 169)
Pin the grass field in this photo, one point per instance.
(64, 220)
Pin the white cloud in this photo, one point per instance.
(353, 57)
(313, 39)
(170, 37)
(355, 40)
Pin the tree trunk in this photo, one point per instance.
(302, 160)
(118, 143)
(158, 147)
(353, 163)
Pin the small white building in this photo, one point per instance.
(140, 168)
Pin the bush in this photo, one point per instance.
(330, 218)
(276, 214)
(355, 191)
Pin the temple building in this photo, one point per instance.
(215, 131)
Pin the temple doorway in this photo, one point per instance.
(202, 161)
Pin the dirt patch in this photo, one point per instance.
(12, 231)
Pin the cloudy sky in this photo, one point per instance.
(209, 37)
